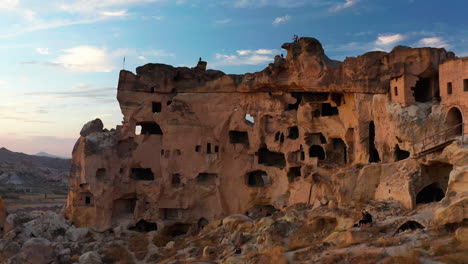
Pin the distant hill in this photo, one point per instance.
(45, 154)
(21, 171)
(37, 161)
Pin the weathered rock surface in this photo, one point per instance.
(306, 129)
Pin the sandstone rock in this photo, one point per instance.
(76, 234)
(37, 251)
(93, 126)
(90, 257)
(461, 234)
(8, 249)
(198, 145)
(113, 252)
(232, 221)
(346, 238)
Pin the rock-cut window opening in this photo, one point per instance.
(238, 137)
(148, 128)
(257, 178)
(294, 173)
(206, 178)
(316, 151)
(142, 174)
(249, 119)
(328, 110)
(293, 132)
(156, 107)
(269, 158)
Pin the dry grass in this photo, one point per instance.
(386, 241)
(455, 258)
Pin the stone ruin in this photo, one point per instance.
(197, 145)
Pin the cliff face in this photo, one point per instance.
(197, 145)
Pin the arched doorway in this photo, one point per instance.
(429, 194)
(454, 117)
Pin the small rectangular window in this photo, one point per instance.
(156, 107)
(216, 149)
(208, 148)
(465, 85)
(197, 148)
(449, 88)
(396, 90)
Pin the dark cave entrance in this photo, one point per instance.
(294, 173)
(429, 194)
(238, 137)
(373, 153)
(257, 178)
(144, 226)
(454, 117)
(401, 154)
(293, 132)
(316, 151)
(142, 174)
(422, 91)
(149, 128)
(269, 158)
(177, 229)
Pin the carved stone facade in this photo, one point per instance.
(197, 145)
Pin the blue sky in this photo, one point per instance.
(61, 58)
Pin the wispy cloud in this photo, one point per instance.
(259, 51)
(8, 4)
(277, 3)
(223, 21)
(435, 42)
(85, 59)
(281, 20)
(389, 39)
(121, 13)
(245, 57)
(90, 6)
(42, 51)
(346, 4)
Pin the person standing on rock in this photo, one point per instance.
(296, 38)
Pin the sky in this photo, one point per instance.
(60, 59)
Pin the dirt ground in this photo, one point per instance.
(33, 201)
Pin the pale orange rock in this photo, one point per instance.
(197, 145)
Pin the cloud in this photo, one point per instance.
(85, 59)
(245, 57)
(259, 51)
(346, 4)
(142, 58)
(389, 39)
(223, 21)
(91, 6)
(435, 42)
(276, 3)
(8, 4)
(42, 51)
(281, 20)
(121, 13)
(44, 25)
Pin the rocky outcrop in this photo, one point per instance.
(197, 145)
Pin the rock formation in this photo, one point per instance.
(198, 145)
